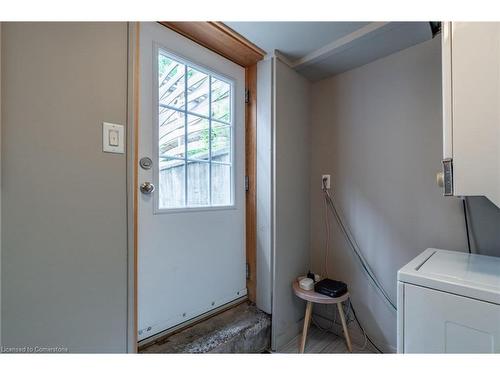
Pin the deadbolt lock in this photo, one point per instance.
(146, 163)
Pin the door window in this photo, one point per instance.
(195, 135)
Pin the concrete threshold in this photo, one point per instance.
(241, 329)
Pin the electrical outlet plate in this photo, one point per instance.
(327, 177)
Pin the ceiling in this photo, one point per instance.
(318, 50)
(293, 39)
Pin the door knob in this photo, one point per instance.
(440, 179)
(147, 188)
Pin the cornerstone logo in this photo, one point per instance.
(33, 349)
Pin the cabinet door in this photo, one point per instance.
(438, 322)
(475, 67)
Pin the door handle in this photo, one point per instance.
(147, 187)
(440, 179)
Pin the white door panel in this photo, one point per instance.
(190, 259)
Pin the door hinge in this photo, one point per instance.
(247, 96)
(448, 176)
(247, 183)
(247, 270)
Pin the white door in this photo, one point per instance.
(191, 239)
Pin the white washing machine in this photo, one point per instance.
(449, 302)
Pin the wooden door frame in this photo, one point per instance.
(226, 42)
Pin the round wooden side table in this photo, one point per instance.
(312, 297)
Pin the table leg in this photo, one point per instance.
(307, 320)
(344, 326)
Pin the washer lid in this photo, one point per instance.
(471, 275)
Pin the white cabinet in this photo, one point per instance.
(471, 108)
(449, 302)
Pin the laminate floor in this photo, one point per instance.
(319, 341)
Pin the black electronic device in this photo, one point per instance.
(330, 288)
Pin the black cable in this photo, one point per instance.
(354, 247)
(360, 326)
(466, 224)
(366, 268)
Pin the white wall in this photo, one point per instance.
(378, 131)
(291, 143)
(64, 245)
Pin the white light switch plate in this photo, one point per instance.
(113, 138)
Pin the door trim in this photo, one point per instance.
(224, 41)
(251, 172)
(220, 39)
(132, 171)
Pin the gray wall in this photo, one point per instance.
(291, 142)
(378, 131)
(264, 184)
(484, 221)
(64, 256)
(0, 183)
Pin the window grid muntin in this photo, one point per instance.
(210, 140)
(194, 114)
(222, 125)
(184, 110)
(185, 137)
